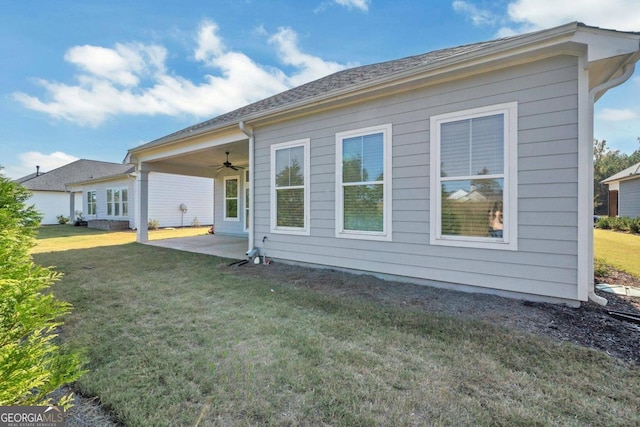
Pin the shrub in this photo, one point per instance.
(62, 219)
(634, 225)
(604, 222)
(153, 224)
(621, 223)
(32, 362)
(195, 222)
(601, 268)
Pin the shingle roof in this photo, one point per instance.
(28, 177)
(80, 170)
(331, 84)
(633, 171)
(350, 79)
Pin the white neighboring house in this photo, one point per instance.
(174, 200)
(50, 194)
(106, 191)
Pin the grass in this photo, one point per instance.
(176, 338)
(66, 237)
(620, 250)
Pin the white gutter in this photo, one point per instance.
(249, 132)
(627, 71)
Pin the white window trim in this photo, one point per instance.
(224, 197)
(510, 191)
(306, 230)
(93, 215)
(245, 195)
(113, 203)
(386, 233)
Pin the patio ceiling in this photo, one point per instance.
(203, 161)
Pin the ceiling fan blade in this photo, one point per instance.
(234, 168)
(220, 168)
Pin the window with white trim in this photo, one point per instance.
(474, 178)
(118, 202)
(247, 183)
(290, 187)
(363, 183)
(231, 198)
(91, 202)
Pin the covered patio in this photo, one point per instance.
(233, 247)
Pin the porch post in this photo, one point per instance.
(72, 206)
(142, 206)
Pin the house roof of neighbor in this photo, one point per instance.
(80, 170)
(630, 172)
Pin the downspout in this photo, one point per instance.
(249, 132)
(627, 71)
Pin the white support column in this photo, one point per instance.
(142, 205)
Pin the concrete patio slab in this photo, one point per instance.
(233, 247)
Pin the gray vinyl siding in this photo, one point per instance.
(629, 198)
(546, 260)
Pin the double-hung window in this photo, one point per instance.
(247, 205)
(290, 187)
(231, 198)
(363, 183)
(474, 178)
(91, 202)
(117, 202)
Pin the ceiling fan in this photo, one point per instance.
(227, 164)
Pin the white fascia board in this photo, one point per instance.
(603, 44)
(186, 146)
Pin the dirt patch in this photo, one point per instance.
(588, 326)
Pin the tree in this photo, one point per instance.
(32, 362)
(607, 162)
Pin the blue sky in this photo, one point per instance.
(91, 79)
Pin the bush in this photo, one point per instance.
(195, 222)
(620, 223)
(62, 219)
(601, 268)
(604, 222)
(153, 224)
(32, 362)
(634, 225)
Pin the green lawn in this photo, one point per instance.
(177, 339)
(53, 238)
(620, 250)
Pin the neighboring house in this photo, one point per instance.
(106, 191)
(50, 194)
(109, 202)
(353, 170)
(624, 192)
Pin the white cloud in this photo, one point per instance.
(311, 67)
(478, 16)
(355, 4)
(617, 115)
(362, 5)
(31, 159)
(530, 15)
(133, 79)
